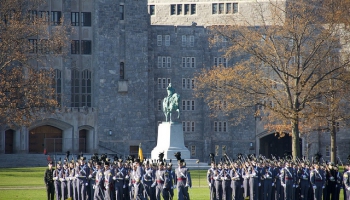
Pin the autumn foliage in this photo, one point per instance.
(288, 53)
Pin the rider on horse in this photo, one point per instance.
(171, 103)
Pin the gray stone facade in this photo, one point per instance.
(155, 50)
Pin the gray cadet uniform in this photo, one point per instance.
(317, 180)
(183, 181)
(161, 182)
(64, 181)
(136, 188)
(108, 183)
(211, 182)
(236, 183)
(219, 173)
(346, 181)
(57, 173)
(288, 179)
(99, 183)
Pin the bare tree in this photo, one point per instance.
(284, 53)
(29, 40)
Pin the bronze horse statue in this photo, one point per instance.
(171, 103)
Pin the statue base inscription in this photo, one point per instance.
(170, 140)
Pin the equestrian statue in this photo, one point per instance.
(171, 103)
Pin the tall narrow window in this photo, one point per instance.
(152, 9)
(168, 62)
(121, 71)
(217, 150)
(221, 8)
(56, 18)
(193, 9)
(159, 105)
(228, 8)
(121, 12)
(58, 86)
(159, 40)
(86, 88)
(183, 40)
(163, 62)
(74, 18)
(215, 8)
(86, 47)
(172, 9)
(44, 16)
(179, 9)
(191, 41)
(235, 7)
(33, 46)
(167, 40)
(187, 9)
(193, 62)
(75, 85)
(32, 15)
(193, 150)
(75, 47)
(86, 18)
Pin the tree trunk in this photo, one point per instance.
(333, 142)
(295, 139)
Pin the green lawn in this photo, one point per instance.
(28, 184)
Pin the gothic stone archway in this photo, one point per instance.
(45, 137)
(272, 144)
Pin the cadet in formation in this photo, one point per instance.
(276, 179)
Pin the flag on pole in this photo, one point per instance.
(140, 153)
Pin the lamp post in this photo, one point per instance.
(199, 179)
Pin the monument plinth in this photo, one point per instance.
(170, 140)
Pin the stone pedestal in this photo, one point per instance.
(170, 140)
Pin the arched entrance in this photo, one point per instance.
(45, 137)
(9, 141)
(274, 145)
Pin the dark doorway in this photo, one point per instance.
(82, 140)
(273, 145)
(46, 138)
(134, 151)
(9, 135)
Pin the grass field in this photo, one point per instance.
(28, 184)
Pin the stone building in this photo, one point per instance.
(123, 54)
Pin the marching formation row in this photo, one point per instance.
(263, 179)
(100, 179)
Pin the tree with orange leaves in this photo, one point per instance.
(28, 44)
(286, 52)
